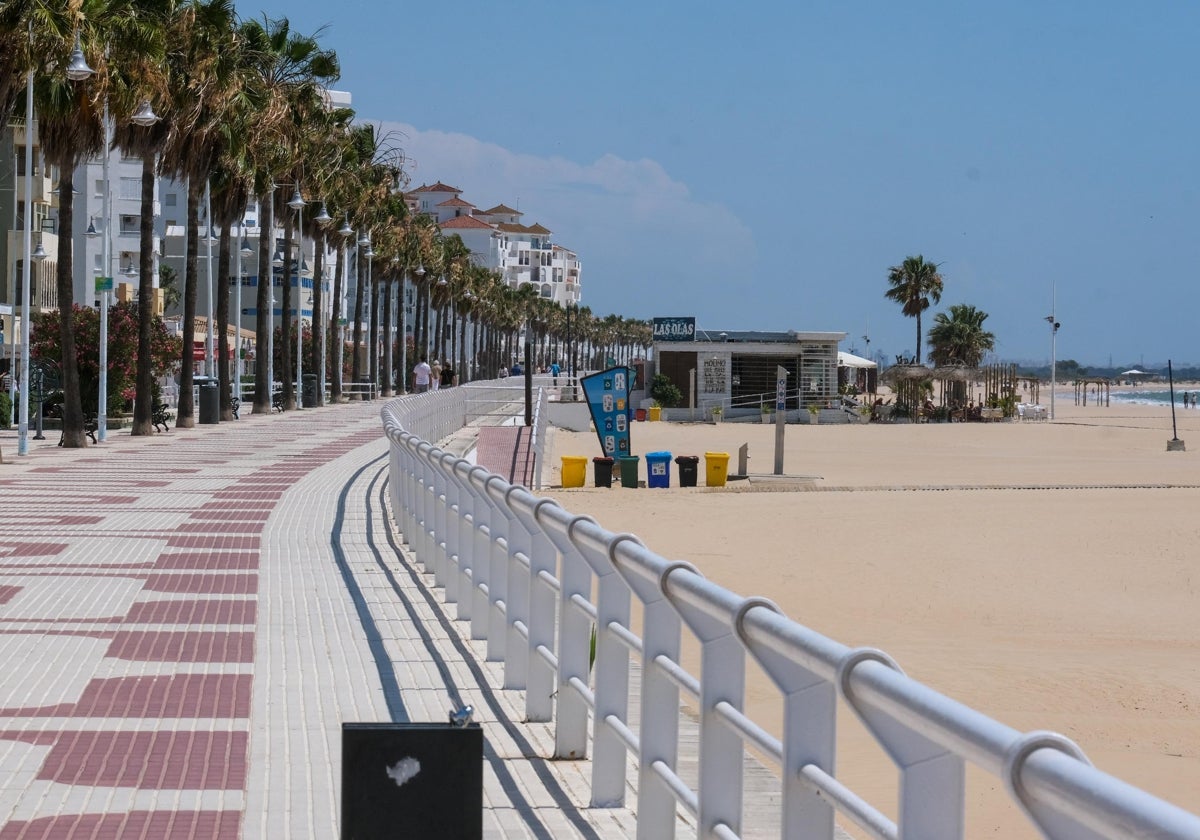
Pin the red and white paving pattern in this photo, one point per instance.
(180, 649)
(131, 624)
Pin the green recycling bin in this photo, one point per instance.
(629, 470)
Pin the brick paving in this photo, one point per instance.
(187, 620)
(506, 451)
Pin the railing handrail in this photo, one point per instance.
(522, 569)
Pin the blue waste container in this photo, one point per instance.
(658, 469)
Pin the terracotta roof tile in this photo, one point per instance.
(455, 202)
(509, 227)
(465, 223)
(536, 228)
(502, 210)
(438, 187)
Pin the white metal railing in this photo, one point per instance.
(522, 570)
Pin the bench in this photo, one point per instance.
(277, 401)
(54, 410)
(235, 404)
(159, 416)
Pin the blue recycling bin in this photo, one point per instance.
(658, 469)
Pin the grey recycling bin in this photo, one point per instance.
(210, 401)
(412, 780)
(309, 390)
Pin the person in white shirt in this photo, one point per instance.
(421, 376)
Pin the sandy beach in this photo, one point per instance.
(1047, 574)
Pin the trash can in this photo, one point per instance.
(629, 470)
(688, 469)
(574, 470)
(655, 413)
(602, 469)
(716, 464)
(640, 414)
(210, 402)
(309, 390)
(658, 469)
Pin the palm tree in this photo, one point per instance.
(70, 129)
(290, 69)
(914, 284)
(207, 79)
(959, 338)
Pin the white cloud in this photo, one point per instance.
(647, 245)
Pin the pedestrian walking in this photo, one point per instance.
(422, 373)
(435, 376)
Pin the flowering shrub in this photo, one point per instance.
(122, 350)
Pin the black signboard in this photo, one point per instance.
(412, 780)
(674, 329)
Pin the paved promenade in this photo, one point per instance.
(187, 620)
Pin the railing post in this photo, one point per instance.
(516, 603)
(659, 729)
(481, 556)
(722, 754)
(463, 538)
(454, 515)
(543, 557)
(441, 503)
(574, 645)
(425, 512)
(498, 558)
(932, 779)
(809, 731)
(612, 677)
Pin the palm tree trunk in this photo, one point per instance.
(285, 325)
(373, 355)
(360, 292)
(262, 302)
(72, 418)
(460, 357)
(335, 320)
(388, 319)
(319, 334)
(143, 394)
(918, 354)
(225, 389)
(186, 409)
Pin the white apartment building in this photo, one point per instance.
(118, 225)
(14, 203)
(523, 254)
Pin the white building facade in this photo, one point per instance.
(499, 240)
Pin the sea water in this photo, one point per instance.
(1141, 396)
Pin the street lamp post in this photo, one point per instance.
(243, 252)
(77, 71)
(320, 290)
(297, 203)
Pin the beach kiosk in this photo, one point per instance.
(735, 370)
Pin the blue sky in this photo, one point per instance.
(761, 165)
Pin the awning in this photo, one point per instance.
(850, 360)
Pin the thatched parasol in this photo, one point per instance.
(906, 373)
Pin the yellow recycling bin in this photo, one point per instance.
(655, 413)
(574, 470)
(716, 464)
